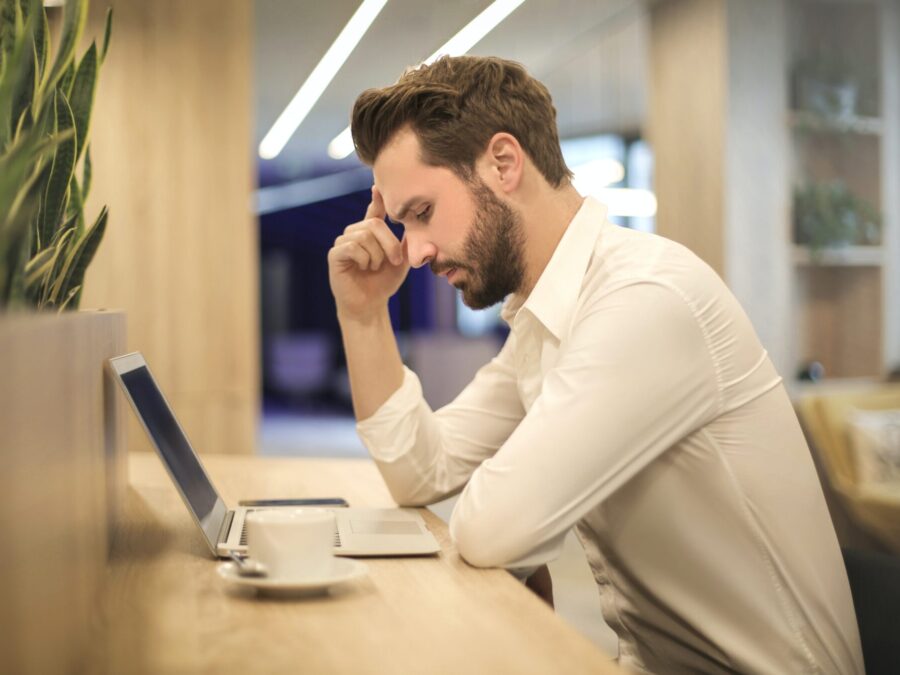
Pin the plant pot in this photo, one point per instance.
(63, 480)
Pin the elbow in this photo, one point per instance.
(406, 493)
(411, 487)
(411, 499)
(481, 544)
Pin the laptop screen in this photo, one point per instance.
(175, 450)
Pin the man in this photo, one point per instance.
(631, 401)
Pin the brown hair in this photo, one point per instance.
(455, 105)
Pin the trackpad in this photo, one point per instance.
(385, 527)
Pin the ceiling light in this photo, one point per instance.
(459, 44)
(476, 29)
(341, 145)
(303, 101)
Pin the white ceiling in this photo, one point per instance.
(591, 54)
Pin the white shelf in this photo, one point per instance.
(847, 256)
(865, 126)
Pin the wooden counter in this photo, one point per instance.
(164, 608)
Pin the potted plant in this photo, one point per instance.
(829, 215)
(46, 244)
(826, 85)
(59, 419)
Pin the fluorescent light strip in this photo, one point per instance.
(476, 29)
(471, 34)
(341, 145)
(305, 98)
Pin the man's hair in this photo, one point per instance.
(454, 106)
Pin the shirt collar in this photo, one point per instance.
(552, 301)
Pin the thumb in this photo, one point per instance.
(376, 206)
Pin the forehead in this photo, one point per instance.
(401, 175)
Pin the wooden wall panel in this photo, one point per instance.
(841, 319)
(173, 159)
(890, 179)
(757, 176)
(686, 123)
(62, 475)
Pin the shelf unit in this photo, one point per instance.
(846, 256)
(846, 300)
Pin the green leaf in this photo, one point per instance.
(75, 208)
(86, 174)
(74, 17)
(78, 261)
(16, 53)
(69, 225)
(38, 266)
(60, 250)
(15, 246)
(29, 76)
(43, 44)
(74, 294)
(19, 169)
(65, 82)
(106, 34)
(9, 19)
(55, 197)
(82, 98)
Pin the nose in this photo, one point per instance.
(421, 250)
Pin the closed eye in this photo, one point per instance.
(424, 214)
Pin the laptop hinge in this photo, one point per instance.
(226, 527)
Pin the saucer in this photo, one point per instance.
(343, 569)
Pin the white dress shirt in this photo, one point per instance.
(633, 401)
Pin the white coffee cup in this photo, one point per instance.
(292, 543)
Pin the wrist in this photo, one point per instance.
(372, 317)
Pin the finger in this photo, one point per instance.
(376, 206)
(388, 241)
(386, 238)
(367, 240)
(350, 252)
(370, 243)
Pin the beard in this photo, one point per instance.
(493, 252)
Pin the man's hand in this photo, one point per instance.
(367, 264)
(541, 584)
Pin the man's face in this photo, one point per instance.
(461, 229)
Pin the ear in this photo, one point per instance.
(505, 161)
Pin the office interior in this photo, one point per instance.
(763, 135)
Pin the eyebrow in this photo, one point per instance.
(401, 214)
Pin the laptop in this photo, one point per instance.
(359, 532)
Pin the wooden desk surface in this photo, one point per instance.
(165, 609)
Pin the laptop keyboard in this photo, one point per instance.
(243, 540)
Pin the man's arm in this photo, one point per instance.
(423, 455)
(635, 378)
(373, 361)
(366, 266)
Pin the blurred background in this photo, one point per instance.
(764, 135)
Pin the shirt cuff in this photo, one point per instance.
(390, 431)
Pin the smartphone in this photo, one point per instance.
(330, 502)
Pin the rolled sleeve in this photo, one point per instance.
(390, 432)
(425, 456)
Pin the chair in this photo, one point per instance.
(875, 586)
(824, 418)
